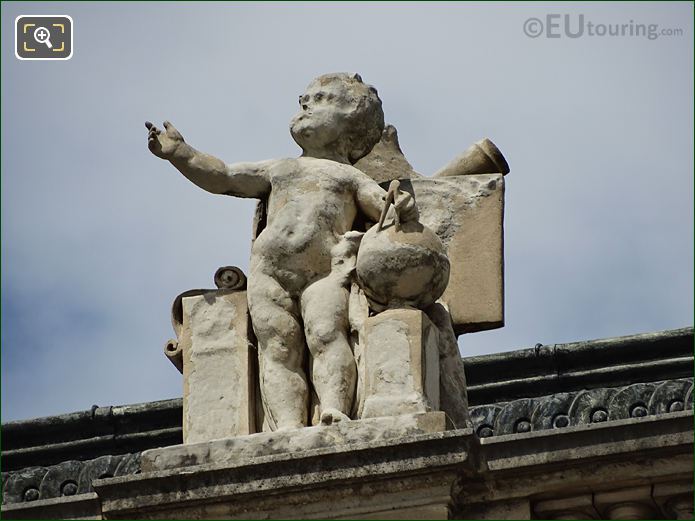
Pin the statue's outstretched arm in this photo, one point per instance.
(206, 171)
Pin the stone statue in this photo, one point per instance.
(356, 294)
(298, 282)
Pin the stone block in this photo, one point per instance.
(81, 506)
(218, 367)
(517, 508)
(401, 364)
(402, 473)
(675, 498)
(573, 507)
(628, 503)
(256, 447)
(466, 212)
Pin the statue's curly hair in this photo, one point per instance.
(367, 121)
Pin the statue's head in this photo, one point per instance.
(340, 115)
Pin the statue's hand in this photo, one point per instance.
(165, 143)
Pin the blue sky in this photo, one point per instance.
(98, 236)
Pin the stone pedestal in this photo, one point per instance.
(218, 366)
(401, 364)
(240, 450)
(380, 468)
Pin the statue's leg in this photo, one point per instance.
(275, 320)
(334, 373)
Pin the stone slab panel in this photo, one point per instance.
(466, 212)
(255, 446)
(81, 506)
(401, 363)
(510, 509)
(218, 363)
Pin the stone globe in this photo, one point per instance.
(402, 266)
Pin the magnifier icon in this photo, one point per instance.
(43, 35)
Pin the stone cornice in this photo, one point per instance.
(555, 368)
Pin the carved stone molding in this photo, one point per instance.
(675, 499)
(600, 405)
(69, 478)
(575, 507)
(671, 500)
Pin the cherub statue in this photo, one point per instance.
(312, 204)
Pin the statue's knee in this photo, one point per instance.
(282, 353)
(270, 319)
(321, 333)
(267, 293)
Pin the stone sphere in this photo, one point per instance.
(402, 266)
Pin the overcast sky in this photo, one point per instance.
(99, 236)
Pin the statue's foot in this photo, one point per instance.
(330, 416)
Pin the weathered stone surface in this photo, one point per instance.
(559, 474)
(482, 157)
(402, 265)
(626, 503)
(670, 396)
(386, 161)
(90, 434)
(82, 506)
(515, 417)
(174, 353)
(413, 473)
(68, 479)
(61, 480)
(483, 419)
(469, 226)
(371, 479)
(631, 401)
(675, 498)
(401, 363)
(552, 412)
(103, 467)
(574, 507)
(591, 406)
(230, 277)
(218, 398)
(453, 392)
(466, 212)
(557, 411)
(552, 469)
(556, 368)
(587, 442)
(509, 509)
(445, 474)
(23, 485)
(242, 449)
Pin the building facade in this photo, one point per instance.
(590, 430)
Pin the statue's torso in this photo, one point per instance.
(312, 202)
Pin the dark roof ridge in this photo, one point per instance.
(547, 369)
